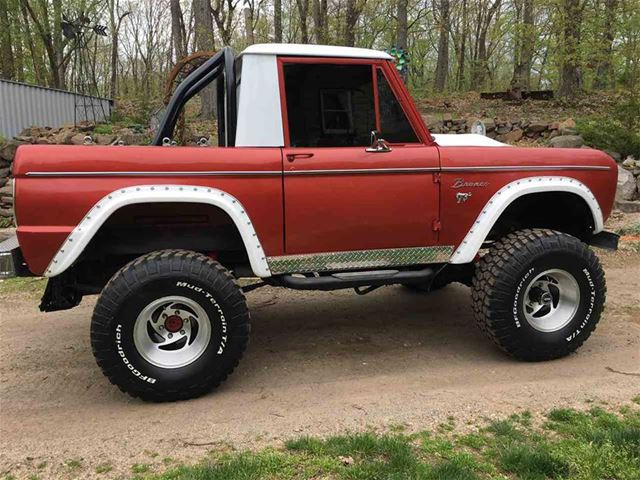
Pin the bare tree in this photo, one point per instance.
(277, 20)
(320, 20)
(303, 12)
(178, 30)
(205, 41)
(115, 19)
(444, 27)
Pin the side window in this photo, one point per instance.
(394, 126)
(329, 105)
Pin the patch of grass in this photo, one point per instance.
(73, 463)
(140, 468)
(29, 285)
(103, 129)
(572, 445)
(6, 222)
(104, 467)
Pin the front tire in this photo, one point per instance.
(538, 294)
(170, 325)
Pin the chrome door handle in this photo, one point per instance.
(293, 156)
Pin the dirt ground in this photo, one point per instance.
(318, 363)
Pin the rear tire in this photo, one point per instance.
(171, 325)
(538, 294)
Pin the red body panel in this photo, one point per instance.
(49, 208)
(343, 211)
(457, 218)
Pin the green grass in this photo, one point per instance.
(23, 285)
(569, 444)
(6, 222)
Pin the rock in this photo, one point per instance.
(629, 162)
(511, 137)
(78, 139)
(627, 206)
(346, 461)
(503, 129)
(3, 181)
(43, 141)
(8, 151)
(567, 141)
(615, 155)
(536, 127)
(6, 212)
(63, 137)
(103, 139)
(568, 127)
(553, 134)
(627, 186)
(5, 172)
(489, 123)
(7, 191)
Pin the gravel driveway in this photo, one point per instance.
(318, 363)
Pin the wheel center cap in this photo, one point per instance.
(173, 323)
(546, 298)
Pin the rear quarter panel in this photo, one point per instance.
(49, 208)
(484, 166)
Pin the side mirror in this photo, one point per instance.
(378, 145)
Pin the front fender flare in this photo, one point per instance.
(471, 244)
(80, 237)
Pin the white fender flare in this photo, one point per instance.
(80, 237)
(468, 249)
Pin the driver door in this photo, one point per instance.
(341, 195)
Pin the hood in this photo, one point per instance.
(466, 140)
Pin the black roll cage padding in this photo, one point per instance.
(221, 62)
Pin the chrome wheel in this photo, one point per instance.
(551, 300)
(172, 332)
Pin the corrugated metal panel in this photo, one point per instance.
(23, 105)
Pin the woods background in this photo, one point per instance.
(570, 46)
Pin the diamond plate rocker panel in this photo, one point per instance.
(331, 261)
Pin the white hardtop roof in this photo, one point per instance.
(303, 50)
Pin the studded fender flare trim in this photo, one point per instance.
(80, 237)
(471, 244)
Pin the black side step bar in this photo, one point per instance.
(338, 281)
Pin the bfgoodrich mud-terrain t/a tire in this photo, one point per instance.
(170, 325)
(538, 294)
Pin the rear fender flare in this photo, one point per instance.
(472, 242)
(80, 237)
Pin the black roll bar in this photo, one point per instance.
(221, 63)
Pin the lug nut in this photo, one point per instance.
(181, 332)
(170, 335)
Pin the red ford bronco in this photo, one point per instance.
(325, 178)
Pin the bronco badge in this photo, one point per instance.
(461, 183)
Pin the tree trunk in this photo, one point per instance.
(463, 46)
(248, 26)
(36, 58)
(320, 21)
(481, 60)
(570, 74)
(604, 72)
(524, 48)
(277, 20)
(178, 31)
(7, 64)
(204, 40)
(303, 11)
(402, 32)
(351, 19)
(442, 66)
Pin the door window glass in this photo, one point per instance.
(329, 105)
(394, 125)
